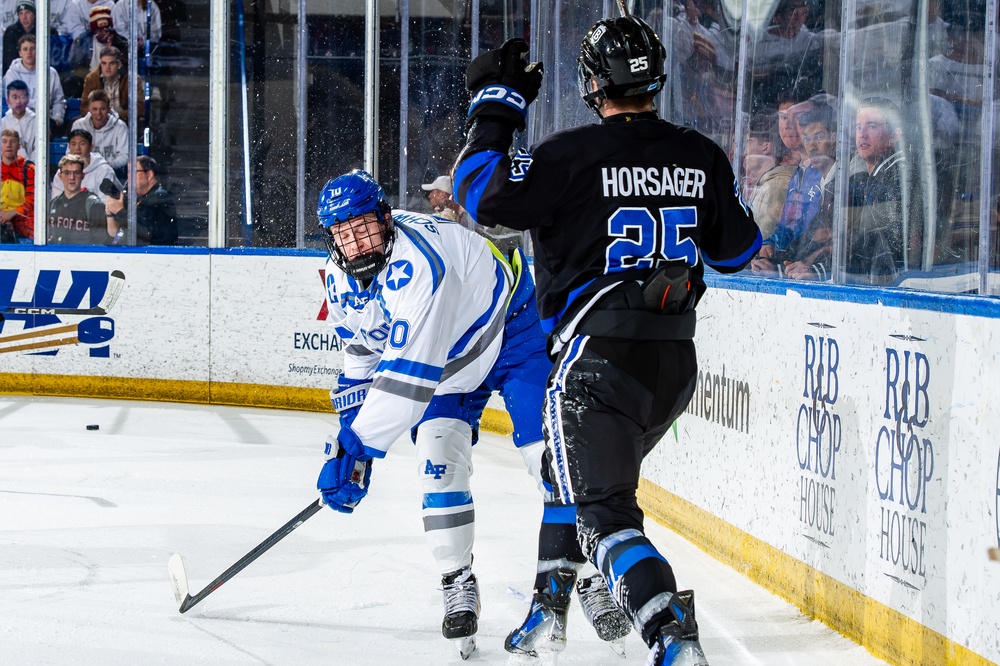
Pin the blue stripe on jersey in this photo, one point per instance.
(403, 366)
(477, 170)
(344, 333)
(445, 500)
(548, 325)
(560, 515)
(631, 557)
(433, 258)
(738, 261)
(499, 291)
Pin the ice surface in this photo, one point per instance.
(88, 520)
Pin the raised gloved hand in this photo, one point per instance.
(343, 481)
(503, 84)
(348, 397)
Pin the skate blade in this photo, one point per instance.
(618, 647)
(525, 659)
(466, 646)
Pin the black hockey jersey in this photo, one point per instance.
(609, 202)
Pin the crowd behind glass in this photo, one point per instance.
(857, 129)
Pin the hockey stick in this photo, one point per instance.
(115, 283)
(178, 578)
(623, 8)
(89, 331)
(30, 335)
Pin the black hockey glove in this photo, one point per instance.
(503, 84)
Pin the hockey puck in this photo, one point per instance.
(93, 426)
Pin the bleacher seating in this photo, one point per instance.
(72, 108)
(57, 148)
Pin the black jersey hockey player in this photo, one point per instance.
(624, 216)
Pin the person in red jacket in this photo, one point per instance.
(17, 194)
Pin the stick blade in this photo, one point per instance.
(115, 283)
(178, 580)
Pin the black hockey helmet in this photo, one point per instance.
(624, 56)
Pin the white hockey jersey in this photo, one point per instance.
(430, 323)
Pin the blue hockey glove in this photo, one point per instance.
(503, 84)
(348, 397)
(343, 481)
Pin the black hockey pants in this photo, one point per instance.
(608, 402)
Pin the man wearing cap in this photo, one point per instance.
(93, 29)
(77, 17)
(24, 24)
(439, 197)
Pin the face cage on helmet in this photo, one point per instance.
(367, 266)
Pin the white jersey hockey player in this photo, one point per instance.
(434, 320)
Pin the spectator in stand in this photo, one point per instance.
(788, 55)
(790, 105)
(109, 132)
(800, 247)
(95, 167)
(155, 211)
(956, 75)
(110, 75)
(152, 32)
(766, 181)
(17, 194)
(76, 215)
(439, 197)
(76, 18)
(20, 118)
(100, 33)
(884, 222)
(24, 69)
(439, 193)
(24, 24)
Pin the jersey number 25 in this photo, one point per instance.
(642, 241)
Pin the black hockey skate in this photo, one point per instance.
(461, 609)
(677, 644)
(544, 630)
(608, 620)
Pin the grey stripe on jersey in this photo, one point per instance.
(475, 351)
(415, 392)
(359, 350)
(432, 523)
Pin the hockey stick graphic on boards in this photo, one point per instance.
(40, 333)
(89, 331)
(115, 283)
(178, 577)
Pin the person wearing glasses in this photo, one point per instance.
(96, 170)
(156, 214)
(76, 216)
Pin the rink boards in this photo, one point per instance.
(840, 447)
